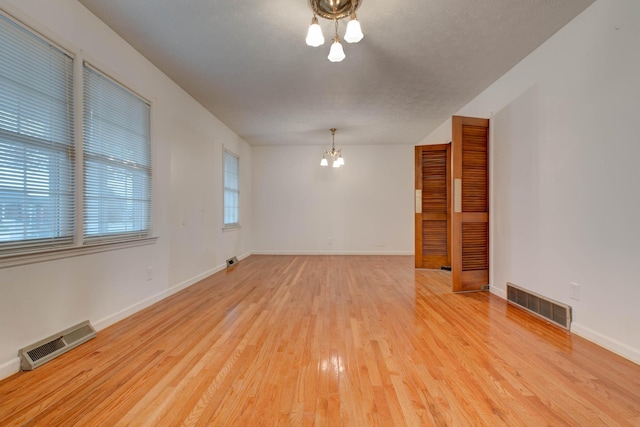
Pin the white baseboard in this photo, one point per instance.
(134, 308)
(383, 253)
(13, 366)
(597, 338)
(502, 293)
(623, 350)
(9, 368)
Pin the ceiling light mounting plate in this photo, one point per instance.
(334, 9)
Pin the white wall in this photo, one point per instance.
(363, 207)
(564, 153)
(199, 247)
(39, 299)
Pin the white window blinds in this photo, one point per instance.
(36, 142)
(117, 161)
(231, 189)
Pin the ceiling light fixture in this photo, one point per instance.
(335, 155)
(334, 10)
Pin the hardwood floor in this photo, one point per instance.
(322, 340)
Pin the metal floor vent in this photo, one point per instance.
(556, 312)
(231, 262)
(44, 350)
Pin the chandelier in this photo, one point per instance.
(335, 155)
(334, 10)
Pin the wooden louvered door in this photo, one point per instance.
(470, 224)
(433, 205)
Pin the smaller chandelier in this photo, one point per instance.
(333, 154)
(334, 10)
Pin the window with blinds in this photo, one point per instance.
(40, 190)
(37, 185)
(117, 161)
(231, 190)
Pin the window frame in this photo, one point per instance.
(9, 257)
(120, 164)
(231, 225)
(50, 148)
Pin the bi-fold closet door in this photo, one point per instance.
(452, 204)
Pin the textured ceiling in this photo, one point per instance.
(419, 62)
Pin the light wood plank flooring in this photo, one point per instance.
(328, 341)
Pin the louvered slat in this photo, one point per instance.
(434, 238)
(434, 186)
(474, 169)
(434, 181)
(475, 250)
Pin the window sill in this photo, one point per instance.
(24, 259)
(233, 227)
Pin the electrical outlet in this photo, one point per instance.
(574, 291)
(149, 273)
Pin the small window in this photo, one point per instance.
(231, 190)
(117, 161)
(37, 181)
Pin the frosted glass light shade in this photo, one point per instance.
(314, 34)
(354, 31)
(336, 54)
(336, 163)
(324, 162)
(340, 161)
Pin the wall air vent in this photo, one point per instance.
(548, 309)
(232, 261)
(44, 350)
